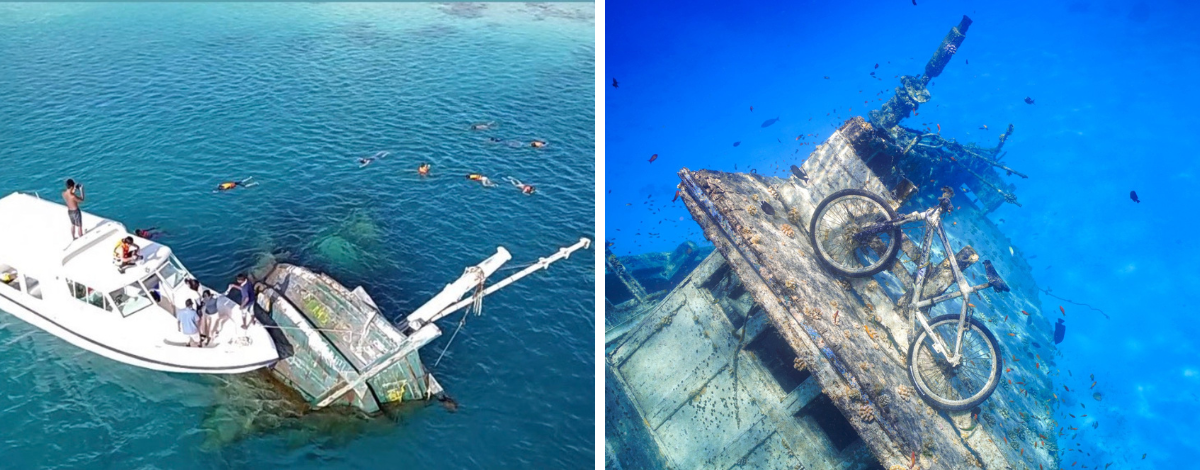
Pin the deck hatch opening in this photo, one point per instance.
(827, 415)
(778, 358)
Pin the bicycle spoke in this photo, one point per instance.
(839, 226)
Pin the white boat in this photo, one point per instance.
(73, 290)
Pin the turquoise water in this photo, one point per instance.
(1113, 112)
(151, 106)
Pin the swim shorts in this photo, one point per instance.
(76, 217)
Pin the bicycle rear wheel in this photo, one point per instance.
(845, 233)
(955, 388)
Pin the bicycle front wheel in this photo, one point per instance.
(850, 235)
(961, 387)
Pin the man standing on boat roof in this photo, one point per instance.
(246, 287)
(73, 213)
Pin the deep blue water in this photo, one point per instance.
(150, 106)
(1113, 85)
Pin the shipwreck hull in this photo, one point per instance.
(329, 337)
(859, 360)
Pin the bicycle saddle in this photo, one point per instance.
(993, 277)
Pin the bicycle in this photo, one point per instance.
(856, 234)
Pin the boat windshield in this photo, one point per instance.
(172, 272)
(130, 299)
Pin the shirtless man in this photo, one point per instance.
(73, 201)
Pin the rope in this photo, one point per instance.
(1047, 291)
(456, 330)
(476, 308)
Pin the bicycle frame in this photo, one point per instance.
(933, 224)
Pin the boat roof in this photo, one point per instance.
(39, 240)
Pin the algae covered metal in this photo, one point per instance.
(330, 335)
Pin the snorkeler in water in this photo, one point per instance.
(367, 161)
(148, 233)
(423, 169)
(495, 139)
(537, 143)
(228, 185)
(483, 126)
(481, 179)
(525, 188)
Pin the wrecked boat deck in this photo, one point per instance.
(763, 356)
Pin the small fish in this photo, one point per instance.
(969, 63)
(676, 195)
(1028, 100)
(1133, 196)
(768, 122)
(1143, 455)
(735, 144)
(1065, 388)
(876, 65)
(984, 127)
(653, 158)
(915, 4)
(827, 77)
(1061, 309)
(614, 83)
(752, 109)
(1093, 385)
(767, 209)
(835, 316)
(940, 131)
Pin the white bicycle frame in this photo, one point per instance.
(933, 219)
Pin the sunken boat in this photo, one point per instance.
(761, 356)
(337, 349)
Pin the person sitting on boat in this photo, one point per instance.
(188, 323)
(126, 254)
(525, 188)
(423, 170)
(246, 287)
(481, 179)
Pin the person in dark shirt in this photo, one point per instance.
(246, 288)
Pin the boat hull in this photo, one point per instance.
(25, 310)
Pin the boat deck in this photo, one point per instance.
(859, 360)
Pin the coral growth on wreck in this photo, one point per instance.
(866, 413)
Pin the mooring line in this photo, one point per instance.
(1047, 291)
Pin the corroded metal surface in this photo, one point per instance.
(697, 384)
(332, 335)
(859, 357)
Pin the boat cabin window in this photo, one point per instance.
(33, 287)
(172, 272)
(89, 295)
(130, 299)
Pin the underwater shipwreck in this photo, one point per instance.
(755, 354)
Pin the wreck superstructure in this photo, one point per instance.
(761, 355)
